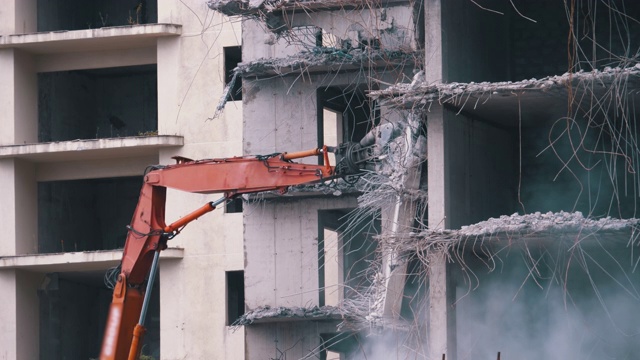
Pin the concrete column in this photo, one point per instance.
(18, 209)
(439, 214)
(27, 314)
(8, 335)
(18, 98)
(19, 328)
(440, 332)
(433, 65)
(18, 17)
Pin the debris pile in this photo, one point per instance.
(423, 93)
(299, 313)
(550, 222)
(252, 7)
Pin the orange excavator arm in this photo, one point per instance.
(148, 233)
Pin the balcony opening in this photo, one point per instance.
(73, 312)
(345, 249)
(232, 57)
(56, 15)
(98, 103)
(523, 39)
(85, 215)
(235, 295)
(344, 114)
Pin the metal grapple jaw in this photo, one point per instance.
(354, 157)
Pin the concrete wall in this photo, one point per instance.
(291, 122)
(190, 83)
(286, 340)
(393, 27)
(281, 250)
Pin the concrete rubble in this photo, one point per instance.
(421, 93)
(322, 56)
(299, 313)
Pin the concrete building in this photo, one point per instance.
(93, 93)
(473, 113)
(520, 107)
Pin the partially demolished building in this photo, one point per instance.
(498, 219)
(479, 111)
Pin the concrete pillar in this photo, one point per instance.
(18, 98)
(18, 17)
(19, 328)
(19, 208)
(440, 331)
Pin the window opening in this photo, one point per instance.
(232, 57)
(344, 114)
(345, 250)
(233, 206)
(235, 295)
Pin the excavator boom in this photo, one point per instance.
(148, 233)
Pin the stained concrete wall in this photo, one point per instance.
(190, 83)
(281, 250)
(392, 28)
(291, 122)
(286, 340)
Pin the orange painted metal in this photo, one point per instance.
(148, 232)
(138, 335)
(123, 316)
(194, 215)
(301, 154)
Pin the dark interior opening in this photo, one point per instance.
(56, 15)
(99, 103)
(534, 300)
(344, 262)
(232, 57)
(235, 295)
(85, 215)
(518, 40)
(73, 312)
(233, 206)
